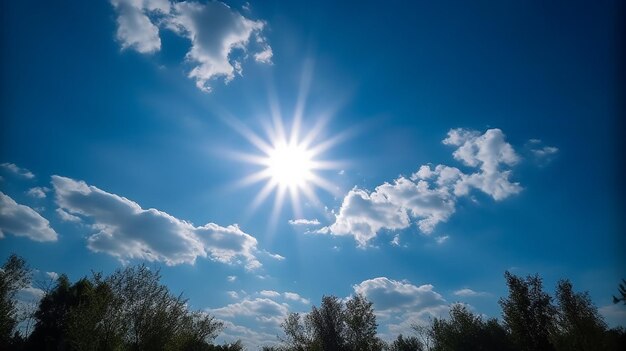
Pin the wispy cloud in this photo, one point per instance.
(466, 292)
(304, 222)
(21, 172)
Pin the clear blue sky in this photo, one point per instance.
(440, 144)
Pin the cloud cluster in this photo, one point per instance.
(400, 304)
(220, 36)
(21, 220)
(125, 230)
(430, 195)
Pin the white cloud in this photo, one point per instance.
(37, 192)
(52, 275)
(488, 152)
(22, 172)
(400, 304)
(303, 221)
(269, 293)
(541, 153)
(442, 239)
(466, 292)
(392, 295)
(135, 28)
(296, 297)
(250, 338)
(429, 196)
(263, 310)
(66, 216)
(126, 231)
(220, 36)
(233, 294)
(215, 31)
(21, 220)
(362, 215)
(231, 278)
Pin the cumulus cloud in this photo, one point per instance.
(135, 27)
(400, 304)
(429, 196)
(124, 230)
(490, 153)
(220, 36)
(392, 295)
(13, 168)
(231, 278)
(304, 222)
(21, 220)
(262, 310)
(52, 275)
(37, 192)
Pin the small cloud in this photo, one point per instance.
(396, 240)
(304, 222)
(231, 278)
(52, 275)
(540, 153)
(466, 292)
(296, 297)
(269, 293)
(22, 172)
(442, 239)
(233, 294)
(37, 192)
(274, 256)
(342, 172)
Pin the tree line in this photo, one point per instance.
(131, 310)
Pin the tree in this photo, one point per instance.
(149, 317)
(579, 325)
(333, 326)
(528, 313)
(622, 293)
(401, 343)
(14, 275)
(327, 324)
(297, 335)
(51, 318)
(466, 331)
(360, 325)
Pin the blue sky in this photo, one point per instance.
(444, 143)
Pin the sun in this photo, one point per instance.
(290, 165)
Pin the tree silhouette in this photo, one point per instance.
(622, 292)
(410, 343)
(528, 313)
(467, 331)
(14, 275)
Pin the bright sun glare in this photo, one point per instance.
(290, 165)
(289, 159)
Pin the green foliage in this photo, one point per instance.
(410, 343)
(528, 313)
(579, 325)
(14, 275)
(333, 326)
(467, 331)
